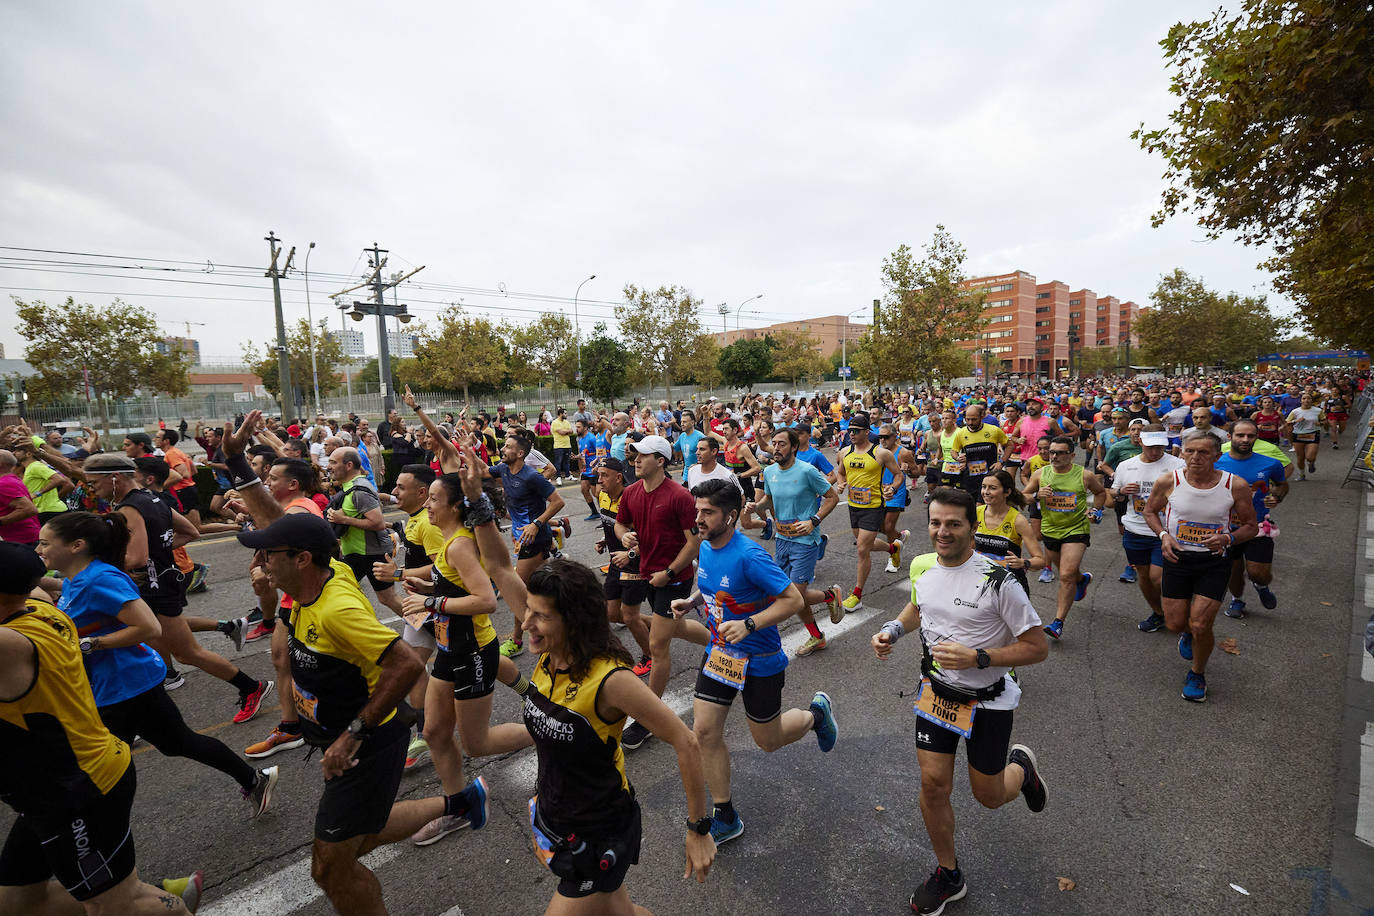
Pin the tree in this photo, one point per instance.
(113, 349)
(461, 351)
(605, 367)
(1098, 360)
(702, 365)
(923, 313)
(795, 356)
(1271, 140)
(403, 372)
(545, 349)
(328, 354)
(661, 328)
(1191, 325)
(745, 363)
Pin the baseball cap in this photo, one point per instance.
(655, 444)
(300, 530)
(612, 463)
(1154, 437)
(109, 463)
(20, 569)
(1138, 421)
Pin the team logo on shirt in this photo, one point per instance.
(724, 581)
(570, 693)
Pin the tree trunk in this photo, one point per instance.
(466, 399)
(668, 386)
(104, 416)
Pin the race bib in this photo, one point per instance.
(307, 704)
(949, 467)
(792, 529)
(1196, 532)
(922, 457)
(1138, 504)
(1175, 430)
(977, 468)
(601, 452)
(1060, 501)
(543, 844)
(726, 665)
(441, 632)
(950, 714)
(860, 495)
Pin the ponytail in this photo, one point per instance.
(106, 536)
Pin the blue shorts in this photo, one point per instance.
(1142, 550)
(798, 560)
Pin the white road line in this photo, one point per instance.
(1364, 813)
(291, 888)
(1367, 667)
(1369, 589)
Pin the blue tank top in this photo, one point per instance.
(92, 599)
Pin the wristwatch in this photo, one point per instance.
(815, 522)
(358, 729)
(702, 826)
(672, 574)
(749, 624)
(87, 645)
(984, 660)
(634, 554)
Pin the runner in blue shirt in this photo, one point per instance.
(746, 596)
(686, 442)
(1269, 486)
(587, 447)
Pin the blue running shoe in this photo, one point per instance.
(827, 729)
(477, 800)
(825, 540)
(1236, 609)
(768, 529)
(1128, 575)
(1195, 687)
(1055, 629)
(1151, 624)
(725, 831)
(1084, 580)
(1046, 575)
(594, 517)
(1267, 598)
(1185, 646)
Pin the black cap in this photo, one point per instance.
(612, 463)
(299, 530)
(20, 569)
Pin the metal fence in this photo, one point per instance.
(1362, 461)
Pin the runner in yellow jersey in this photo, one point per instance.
(860, 468)
(1003, 530)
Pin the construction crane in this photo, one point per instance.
(188, 324)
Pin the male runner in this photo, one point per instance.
(1269, 486)
(707, 466)
(1193, 511)
(980, 447)
(587, 446)
(1130, 487)
(976, 623)
(896, 504)
(746, 596)
(356, 514)
(861, 472)
(686, 442)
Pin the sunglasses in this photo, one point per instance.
(289, 551)
(1060, 451)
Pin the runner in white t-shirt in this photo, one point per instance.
(1133, 481)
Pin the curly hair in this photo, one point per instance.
(576, 592)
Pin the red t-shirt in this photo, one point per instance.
(659, 518)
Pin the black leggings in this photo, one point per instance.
(155, 718)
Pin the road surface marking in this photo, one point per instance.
(1364, 816)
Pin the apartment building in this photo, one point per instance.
(830, 331)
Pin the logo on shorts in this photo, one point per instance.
(923, 737)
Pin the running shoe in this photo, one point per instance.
(891, 567)
(1195, 687)
(768, 528)
(260, 796)
(646, 664)
(510, 648)
(254, 614)
(1055, 629)
(827, 730)
(1267, 598)
(940, 888)
(477, 803)
(437, 829)
(837, 607)
(825, 542)
(1311, 467)
(1236, 609)
(566, 524)
(1185, 646)
(417, 752)
(558, 481)
(557, 550)
(1084, 580)
(851, 604)
(594, 517)
(1032, 786)
(188, 889)
(199, 573)
(235, 630)
(725, 831)
(173, 680)
(276, 741)
(250, 703)
(1046, 575)
(634, 736)
(1128, 575)
(812, 644)
(259, 632)
(1151, 624)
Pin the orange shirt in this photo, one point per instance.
(176, 460)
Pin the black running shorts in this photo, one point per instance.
(1205, 575)
(1255, 550)
(762, 694)
(629, 592)
(987, 749)
(581, 874)
(358, 801)
(472, 674)
(361, 564)
(867, 519)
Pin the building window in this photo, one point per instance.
(1000, 318)
(1043, 295)
(1042, 337)
(1041, 309)
(997, 304)
(1075, 314)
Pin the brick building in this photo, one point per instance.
(830, 331)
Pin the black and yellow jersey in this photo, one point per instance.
(981, 447)
(1001, 541)
(336, 646)
(610, 509)
(864, 475)
(422, 537)
(58, 755)
(457, 632)
(582, 784)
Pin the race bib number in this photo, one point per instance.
(949, 467)
(1138, 504)
(1196, 532)
(1060, 501)
(727, 665)
(307, 704)
(441, 632)
(1175, 430)
(922, 457)
(601, 452)
(860, 496)
(543, 844)
(950, 714)
(792, 529)
(977, 468)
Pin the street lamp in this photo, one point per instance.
(577, 331)
(724, 309)
(309, 330)
(844, 337)
(742, 305)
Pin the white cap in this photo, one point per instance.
(650, 444)
(1154, 437)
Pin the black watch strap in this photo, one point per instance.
(749, 624)
(984, 660)
(702, 826)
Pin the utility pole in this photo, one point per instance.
(283, 358)
(379, 308)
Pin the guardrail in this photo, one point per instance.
(1362, 462)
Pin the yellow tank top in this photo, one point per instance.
(1001, 541)
(865, 475)
(454, 630)
(58, 754)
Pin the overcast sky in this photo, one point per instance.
(735, 149)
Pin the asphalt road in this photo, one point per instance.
(1156, 805)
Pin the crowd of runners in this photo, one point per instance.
(709, 518)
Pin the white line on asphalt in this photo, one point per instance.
(456, 911)
(1367, 667)
(1369, 589)
(1364, 814)
(291, 888)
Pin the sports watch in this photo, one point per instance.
(358, 729)
(984, 660)
(749, 624)
(702, 826)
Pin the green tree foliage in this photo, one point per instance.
(661, 330)
(1272, 140)
(545, 350)
(403, 372)
(795, 356)
(924, 311)
(461, 351)
(745, 363)
(114, 348)
(328, 354)
(1191, 325)
(1098, 360)
(703, 363)
(605, 367)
